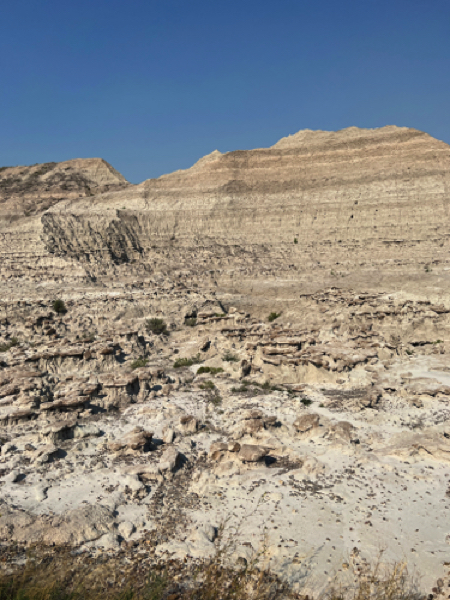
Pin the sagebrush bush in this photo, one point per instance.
(273, 316)
(157, 326)
(140, 362)
(207, 385)
(211, 370)
(230, 357)
(59, 307)
(187, 362)
(11, 344)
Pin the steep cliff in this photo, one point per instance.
(25, 193)
(315, 200)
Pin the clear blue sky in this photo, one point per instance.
(151, 86)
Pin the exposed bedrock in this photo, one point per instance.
(351, 194)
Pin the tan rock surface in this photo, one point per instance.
(323, 428)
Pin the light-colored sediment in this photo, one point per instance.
(344, 452)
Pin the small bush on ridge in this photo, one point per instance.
(59, 307)
(187, 362)
(273, 316)
(230, 357)
(140, 362)
(11, 344)
(157, 326)
(207, 385)
(212, 370)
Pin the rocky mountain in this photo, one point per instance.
(263, 337)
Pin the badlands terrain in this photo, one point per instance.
(255, 348)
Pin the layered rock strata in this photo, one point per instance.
(354, 199)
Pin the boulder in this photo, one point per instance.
(251, 453)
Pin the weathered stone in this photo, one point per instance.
(249, 453)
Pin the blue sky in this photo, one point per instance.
(151, 86)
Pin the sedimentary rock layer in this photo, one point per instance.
(371, 193)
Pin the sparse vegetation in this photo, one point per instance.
(207, 385)
(61, 575)
(187, 362)
(11, 344)
(157, 326)
(409, 352)
(190, 321)
(89, 336)
(59, 307)
(273, 316)
(215, 400)
(211, 370)
(220, 315)
(140, 362)
(306, 401)
(251, 385)
(230, 357)
(238, 390)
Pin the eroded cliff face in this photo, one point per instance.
(25, 193)
(31, 190)
(313, 200)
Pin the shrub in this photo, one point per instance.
(59, 307)
(89, 336)
(235, 390)
(306, 401)
(140, 362)
(207, 385)
(215, 400)
(220, 315)
(157, 326)
(212, 370)
(295, 241)
(190, 321)
(230, 357)
(273, 316)
(187, 362)
(11, 344)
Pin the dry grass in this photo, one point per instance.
(62, 575)
(378, 581)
